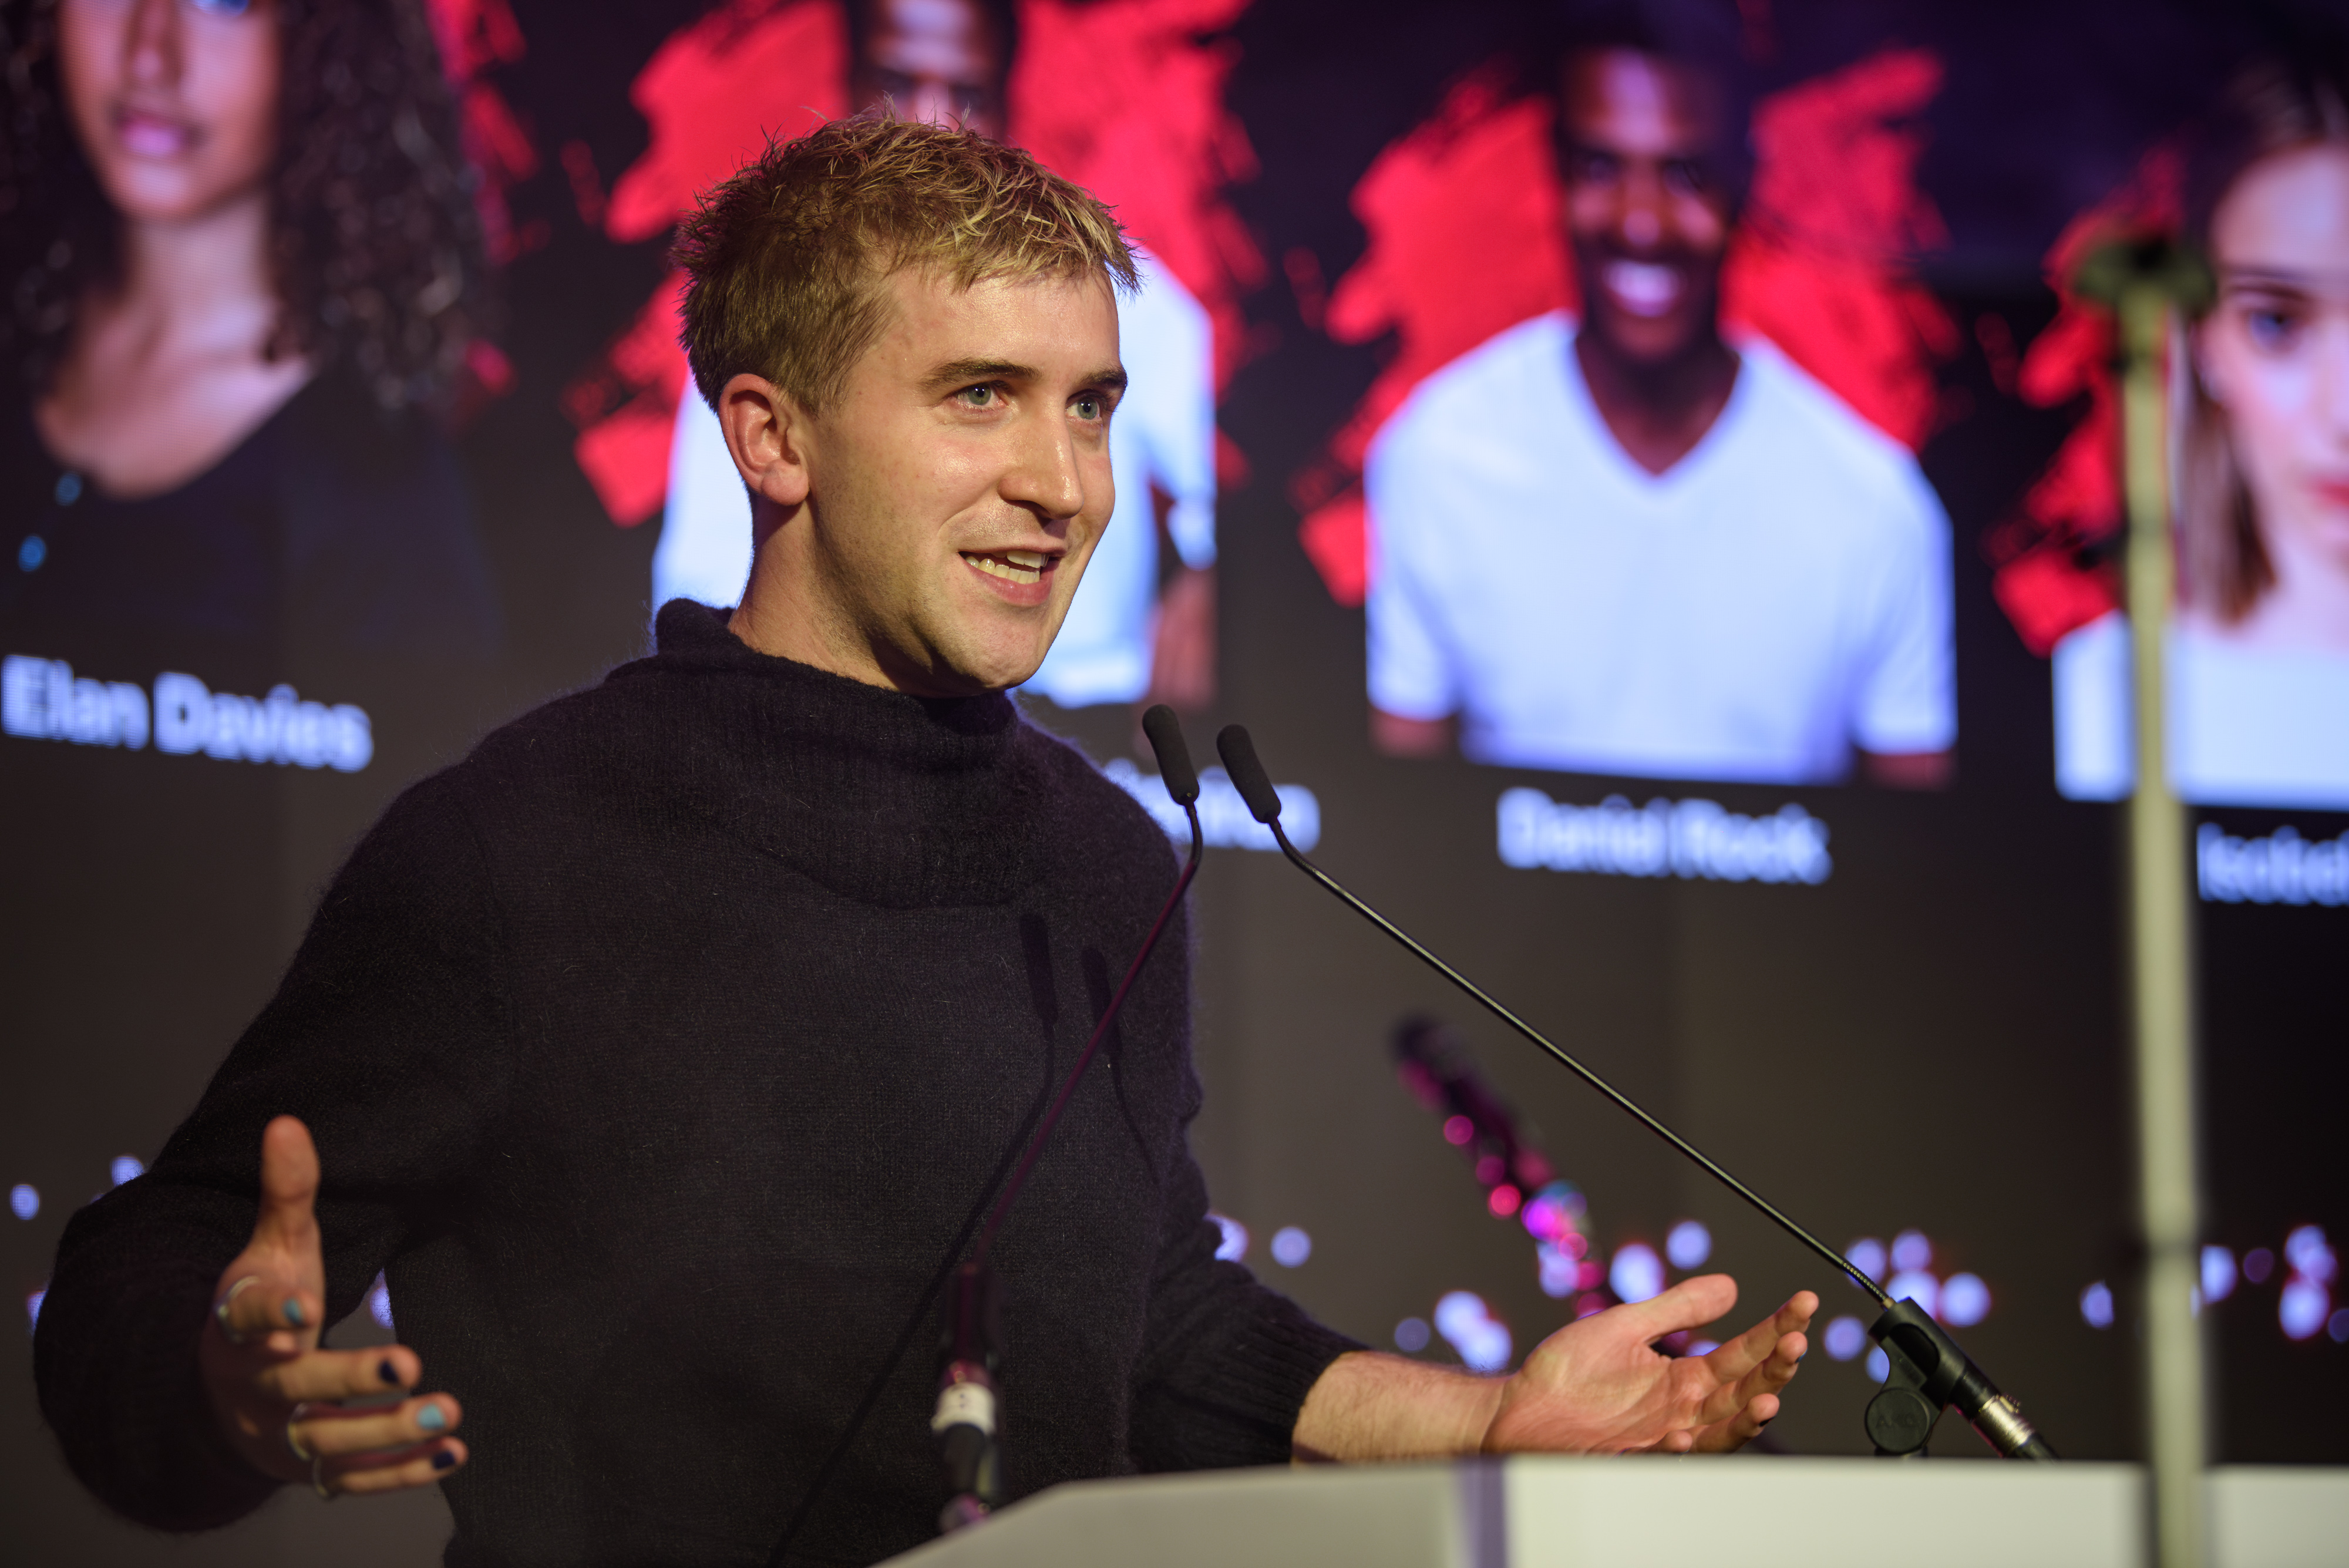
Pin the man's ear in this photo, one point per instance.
(767, 434)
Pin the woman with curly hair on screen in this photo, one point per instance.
(240, 268)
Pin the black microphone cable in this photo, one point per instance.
(1929, 1370)
(964, 1420)
(1182, 782)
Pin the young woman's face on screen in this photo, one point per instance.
(2275, 351)
(175, 101)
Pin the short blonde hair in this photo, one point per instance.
(786, 260)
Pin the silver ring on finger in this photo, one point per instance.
(302, 1450)
(228, 1300)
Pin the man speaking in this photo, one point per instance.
(659, 1051)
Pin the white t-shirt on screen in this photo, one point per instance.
(2248, 726)
(1163, 435)
(1778, 597)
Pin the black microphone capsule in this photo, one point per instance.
(1247, 774)
(1175, 769)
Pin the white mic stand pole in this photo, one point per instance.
(2146, 284)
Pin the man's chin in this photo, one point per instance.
(970, 671)
(1647, 341)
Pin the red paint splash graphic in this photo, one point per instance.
(1123, 97)
(1465, 243)
(715, 92)
(1126, 98)
(475, 37)
(712, 93)
(2048, 577)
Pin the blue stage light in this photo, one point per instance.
(2097, 1305)
(1916, 1286)
(1965, 1300)
(1689, 1245)
(1468, 1324)
(2217, 1273)
(1637, 1274)
(1911, 1251)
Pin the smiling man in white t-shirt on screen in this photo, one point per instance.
(1631, 548)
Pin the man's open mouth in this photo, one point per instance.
(1012, 565)
(1643, 288)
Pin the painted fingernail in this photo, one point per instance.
(444, 1460)
(432, 1419)
(295, 1316)
(386, 1371)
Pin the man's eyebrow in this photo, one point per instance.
(969, 372)
(965, 372)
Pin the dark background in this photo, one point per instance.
(1932, 1039)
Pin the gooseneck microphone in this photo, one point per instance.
(970, 1335)
(1927, 1372)
(1248, 777)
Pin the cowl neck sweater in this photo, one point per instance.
(893, 800)
(658, 1053)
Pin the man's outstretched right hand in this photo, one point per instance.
(278, 1395)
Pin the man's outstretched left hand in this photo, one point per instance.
(1595, 1386)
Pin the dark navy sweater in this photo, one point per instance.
(660, 1051)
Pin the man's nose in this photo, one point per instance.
(1045, 476)
(1640, 220)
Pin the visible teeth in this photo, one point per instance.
(1006, 569)
(1644, 287)
(1031, 559)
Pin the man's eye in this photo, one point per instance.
(1685, 177)
(1089, 407)
(1590, 168)
(981, 397)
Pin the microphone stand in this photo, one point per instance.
(1929, 1372)
(970, 1331)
